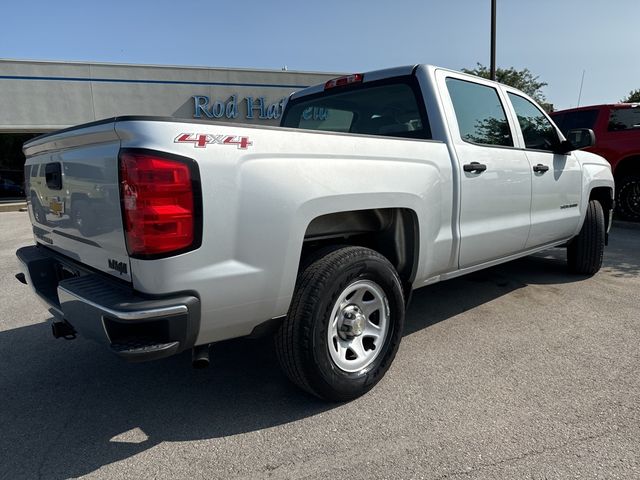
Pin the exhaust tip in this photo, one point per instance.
(200, 357)
(63, 330)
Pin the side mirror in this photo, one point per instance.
(577, 139)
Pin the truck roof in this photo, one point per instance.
(602, 105)
(368, 77)
(374, 75)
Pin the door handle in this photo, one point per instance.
(539, 168)
(474, 167)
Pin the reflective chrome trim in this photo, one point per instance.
(104, 328)
(124, 315)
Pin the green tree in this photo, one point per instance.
(523, 80)
(633, 97)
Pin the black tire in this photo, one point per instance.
(301, 342)
(585, 251)
(628, 198)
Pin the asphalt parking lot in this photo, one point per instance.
(519, 371)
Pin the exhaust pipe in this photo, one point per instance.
(200, 356)
(63, 329)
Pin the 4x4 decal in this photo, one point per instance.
(201, 140)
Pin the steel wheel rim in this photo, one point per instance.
(358, 326)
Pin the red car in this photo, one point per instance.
(617, 130)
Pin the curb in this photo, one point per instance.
(13, 207)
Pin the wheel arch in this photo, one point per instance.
(629, 165)
(604, 195)
(392, 232)
(597, 179)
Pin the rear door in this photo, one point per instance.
(557, 178)
(495, 176)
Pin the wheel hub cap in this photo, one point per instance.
(351, 323)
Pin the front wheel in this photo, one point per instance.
(586, 250)
(344, 325)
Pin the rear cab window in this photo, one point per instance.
(391, 107)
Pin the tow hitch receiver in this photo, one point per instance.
(63, 330)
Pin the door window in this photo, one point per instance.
(480, 114)
(538, 132)
(624, 119)
(579, 119)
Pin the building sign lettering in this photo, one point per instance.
(255, 108)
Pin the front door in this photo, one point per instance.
(557, 178)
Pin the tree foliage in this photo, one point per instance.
(633, 97)
(523, 80)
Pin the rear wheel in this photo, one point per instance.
(628, 198)
(586, 250)
(344, 325)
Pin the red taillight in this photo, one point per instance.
(344, 81)
(158, 204)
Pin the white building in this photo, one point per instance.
(38, 97)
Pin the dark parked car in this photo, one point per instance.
(8, 189)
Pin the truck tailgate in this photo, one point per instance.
(74, 202)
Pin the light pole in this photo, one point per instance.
(493, 40)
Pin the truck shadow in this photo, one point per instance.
(69, 408)
(438, 302)
(621, 258)
(444, 300)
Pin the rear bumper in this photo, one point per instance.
(134, 326)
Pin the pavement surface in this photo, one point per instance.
(519, 371)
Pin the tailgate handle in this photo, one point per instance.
(53, 174)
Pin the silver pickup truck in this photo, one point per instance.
(157, 235)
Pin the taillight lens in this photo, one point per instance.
(158, 204)
(344, 81)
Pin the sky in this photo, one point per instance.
(555, 39)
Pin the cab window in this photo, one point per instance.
(538, 132)
(479, 112)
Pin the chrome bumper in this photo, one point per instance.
(135, 326)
